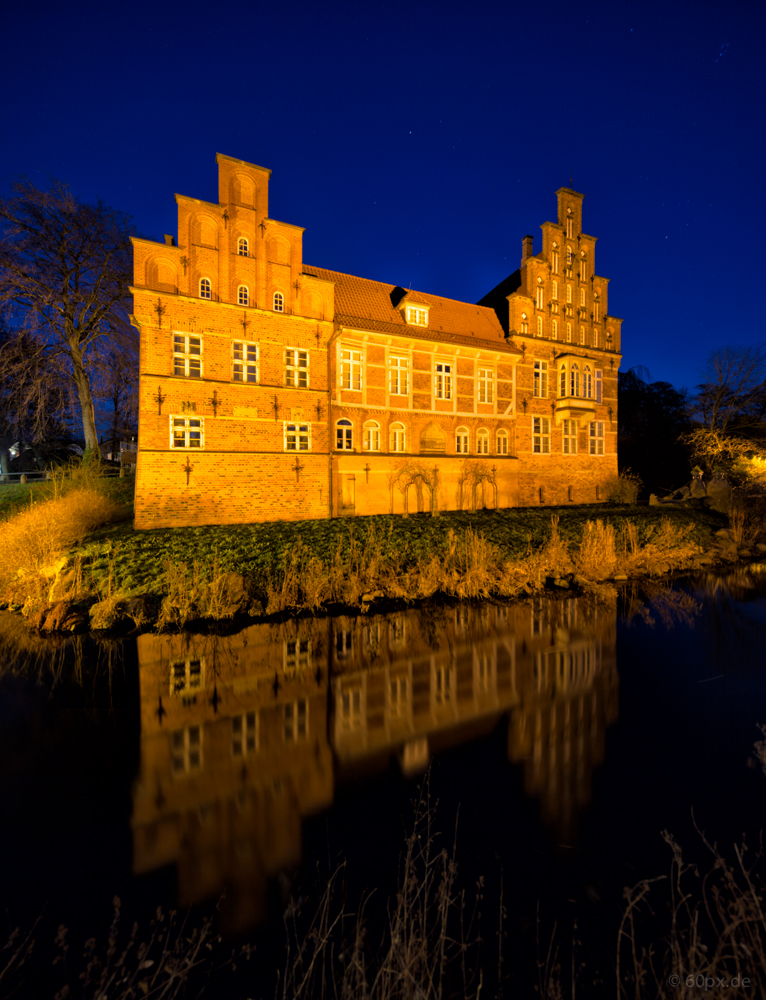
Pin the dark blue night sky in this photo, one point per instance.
(417, 143)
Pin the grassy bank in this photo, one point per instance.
(73, 541)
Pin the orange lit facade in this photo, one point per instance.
(273, 389)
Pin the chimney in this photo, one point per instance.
(526, 248)
(170, 242)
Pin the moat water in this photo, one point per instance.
(556, 740)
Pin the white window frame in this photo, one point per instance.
(372, 436)
(555, 261)
(539, 296)
(296, 368)
(582, 296)
(297, 436)
(189, 431)
(397, 436)
(351, 365)
(555, 290)
(417, 316)
(462, 440)
(278, 302)
(570, 224)
(569, 293)
(599, 385)
(344, 435)
(243, 247)
(539, 326)
(574, 380)
(244, 362)
(554, 329)
(243, 295)
(482, 441)
(486, 384)
(569, 437)
(205, 288)
(443, 380)
(541, 435)
(502, 444)
(187, 355)
(582, 336)
(596, 438)
(587, 382)
(596, 310)
(398, 375)
(540, 386)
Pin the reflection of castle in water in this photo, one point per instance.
(243, 736)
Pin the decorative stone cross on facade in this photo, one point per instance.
(367, 472)
(160, 310)
(160, 711)
(159, 399)
(276, 406)
(298, 468)
(188, 469)
(185, 261)
(262, 227)
(245, 324)
(215, 402)
(319, 411)
(297, 286)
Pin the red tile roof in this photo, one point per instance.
(371, 305)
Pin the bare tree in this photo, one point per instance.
(65, 270)
(116, 386)
(733, 389)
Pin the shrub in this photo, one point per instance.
(624, 488)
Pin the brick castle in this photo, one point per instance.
(272, 389)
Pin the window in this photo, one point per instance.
(569, 293)
(351, 708)
(539, 326)
(587, 382)
(574, 380)
(372, 436)
(443, 685)
(598, 386)
(583, 273)
(297, 655)
(569, 256)
(417, 317)
(185, 676)
(443, 381)
(541, 435)
(398, 375)
(482, 441)
(186, 432)
(555, 290)
(205, 289)
(243, 296)
(243, 247)
(502, 442)
(541, 379)
(461, 440)
(582, 296)
(296, 717)
(344, 644)
(555, 261)
(596, 310)
(397, 437)
(297, 437)
(570, 225)
(569, 333)
(596, 438)
(279, 302)
(350, 369)
(582, 335)
(244, 734)
(244, 361)
(595, 338)
(186, 749)
(187, 355)
(344, 435)
(539, 296)
(524, 324)
(555, 329)
(486, 379)
(296, 368)
(397, 695)
(397, 635)
(570, 437)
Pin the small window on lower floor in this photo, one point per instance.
(296, 717)
(186, 432)
(541, 435)
(297, 437)
(461, 440)
(186, 749)
(482, 441)
(596, 438)
(279, 302)
(502, 442)
(344, 435)
(569, 445)
(397, 437)
(244, 734)
(372, 436)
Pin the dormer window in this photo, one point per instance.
(417, 315)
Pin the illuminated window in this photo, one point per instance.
(587, 382)
(555, 290)
(244, 361)
(541, 435)
(482, 441)
(243, 296)
(569, 333)
(574, 380)
(397, 695)
(582, 296)
(569, 293)
(539, 326)
(570, 225)
(186, 749)
(185, 676)
(443, 381)
(186, 432)
(570, 437)
(598, 386)
(297, 437)
(350, 369)
(397, 437)
(296, 720)
(563, 380)
(243, 247)
(582, 335)
(555, 329)
(595, 338)
(344, 435)
(555, 261)
(416, 316)
(583, 270)
(443, 685)
(296, 368)
(596, 310)
(279, 302)
(524, 324)
(205, 289)
(486, 380)
(372, 436)
(461, 440)
(502, 442)
(350, 704)
(541, 379)
(398, 375)
(569, 256)
(244, 734)
(596, 438)
(539, 296)
(187, 355)
(297, 655)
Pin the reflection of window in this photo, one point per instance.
(372, 436)
(186, 749)
(461, 619)
(350, 369)
(344, 435)
(351, 708)
(502, 442)
(443, 381)
(371, 636)
(343, 644)
(541, 436)
(297, 654)
(397, 635)
(397, 695)
(461, 440)
(244, 361)
(442, 685)
(398, 376)
(296, 368)
(186, 432)
(244, 734)
(187, 355)
(185, 676)
(297, 437)
(296, 717)
(397, 436)
(483, 670)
